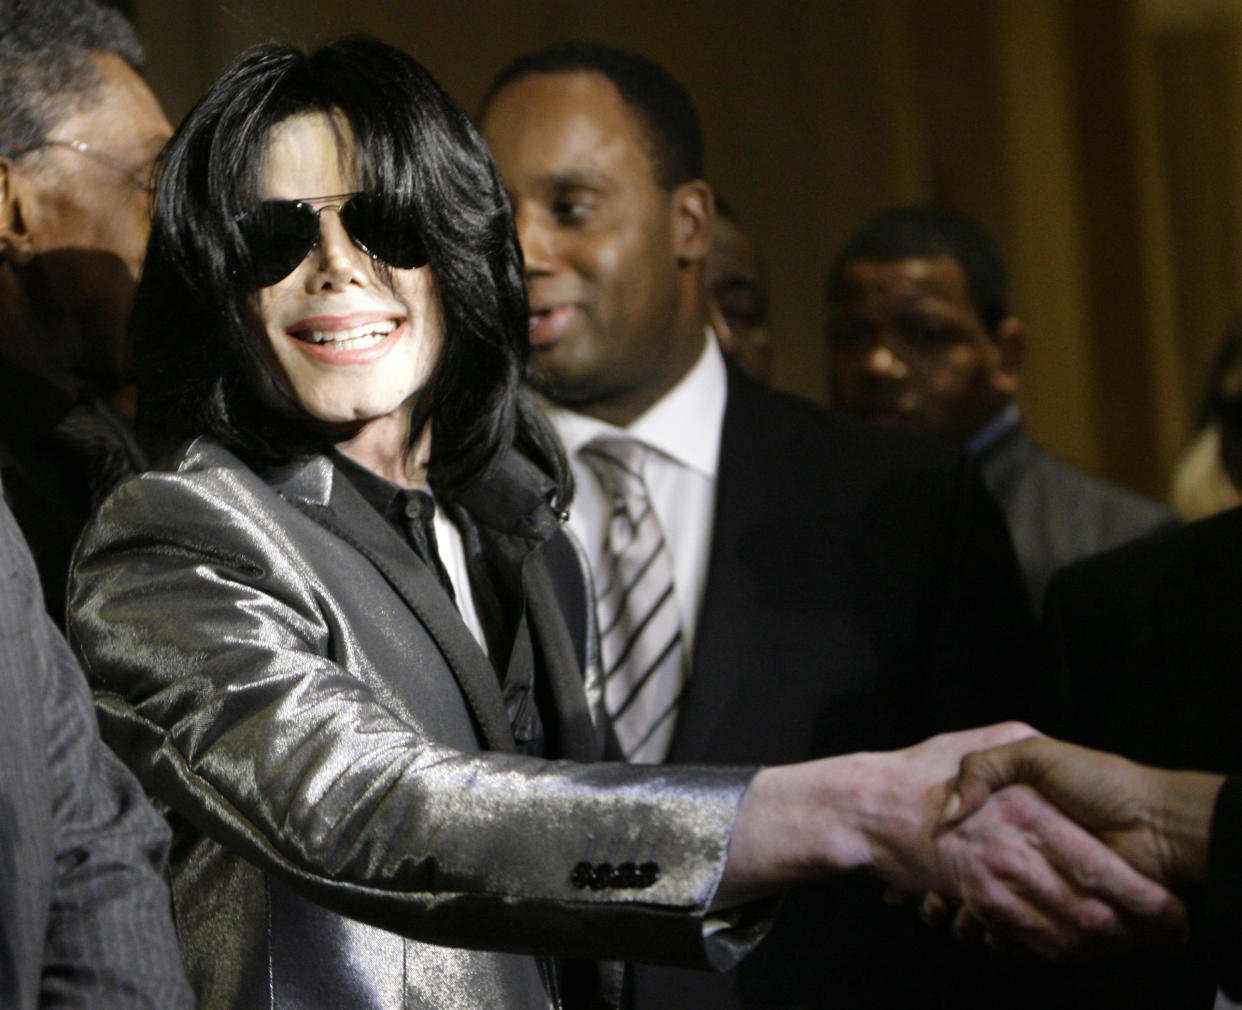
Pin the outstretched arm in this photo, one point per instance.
(1020, 866)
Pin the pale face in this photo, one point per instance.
(353, 349)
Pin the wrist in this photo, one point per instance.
(796, 823)
(1183, 824)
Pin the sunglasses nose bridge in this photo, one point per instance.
(337, 252)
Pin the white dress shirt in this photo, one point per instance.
(683, 427)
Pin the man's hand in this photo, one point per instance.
(806, 821)
(1159, 821)
(1018, 866)
(1026, 873)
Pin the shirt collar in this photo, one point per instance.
(387, 498)
(1003, 421)
(684, 424)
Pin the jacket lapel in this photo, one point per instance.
(1195, 610)
(734, 621)
(317, 490)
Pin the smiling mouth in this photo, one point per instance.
(548, 324)
(356, 338)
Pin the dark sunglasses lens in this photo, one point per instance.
(279, 234)
(392, 238)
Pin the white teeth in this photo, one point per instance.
(355, 338)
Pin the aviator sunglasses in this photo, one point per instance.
(279, 233)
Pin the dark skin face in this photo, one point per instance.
(74, 227)
(737, 283)
(909, 350)
(613, 259)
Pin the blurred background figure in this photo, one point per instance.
(79, 132)
(1208, 475)
(736, 278)
(921, 337)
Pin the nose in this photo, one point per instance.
(536, 242)
(881, 363)
(338, 262)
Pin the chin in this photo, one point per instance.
(560, 388)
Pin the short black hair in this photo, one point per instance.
(925, 231)
(195, 356)
(46, 71)
(663, 105)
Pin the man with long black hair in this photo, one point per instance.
(340, 633)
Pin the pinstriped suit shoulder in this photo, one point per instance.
(84, 910)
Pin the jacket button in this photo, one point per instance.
(580, 877)
(627, 876)
(650, 873)
(601, 876)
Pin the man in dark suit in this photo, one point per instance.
(833, 587)
(1144, 643)
(922, 338)
(84, 910)
(79, 132)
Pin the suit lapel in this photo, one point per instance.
(733, 624)
(317, 490)
(1196, 609)
(581, 735)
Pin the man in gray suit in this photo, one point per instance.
(921, 338)
(84, 910)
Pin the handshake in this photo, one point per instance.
(1064, 850)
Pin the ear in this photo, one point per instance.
(694, 215)
(15, 244)
(1010, 340)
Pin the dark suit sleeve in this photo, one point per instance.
(109, 935)
(1223, 897)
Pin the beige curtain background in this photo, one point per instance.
(1098, 139)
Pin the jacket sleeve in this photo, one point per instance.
(101, 934)
(221, 685)
(1222, 903)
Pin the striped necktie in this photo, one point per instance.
(639, 621)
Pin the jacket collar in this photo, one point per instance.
(314, 487)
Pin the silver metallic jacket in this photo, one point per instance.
(352, 826)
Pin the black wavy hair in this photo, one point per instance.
(924, 231)
(196, 359)
(662, 104)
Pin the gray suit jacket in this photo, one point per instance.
(352, 824)
(84, 909)
(1057, 513)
